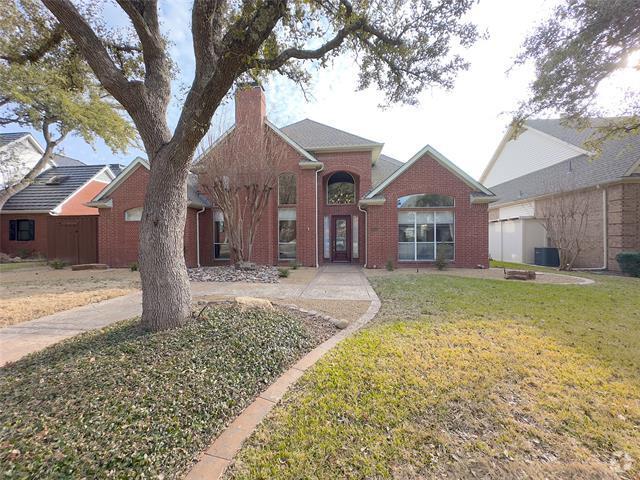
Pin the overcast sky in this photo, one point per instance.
(465, 124)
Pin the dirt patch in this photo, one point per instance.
(488, 273)
(301, 275)
(36, 292)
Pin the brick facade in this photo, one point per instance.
(623, 211)
(427, 175)
(39, 245)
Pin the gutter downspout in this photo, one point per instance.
(198, 236)
(366, 235)
(605, 228)
(317, 249)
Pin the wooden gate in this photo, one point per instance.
(73, 239)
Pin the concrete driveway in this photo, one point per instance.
(333, 282)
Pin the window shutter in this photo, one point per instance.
(13, 229)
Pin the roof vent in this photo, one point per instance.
(56, 179)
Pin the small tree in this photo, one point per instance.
(565, 217)
(47, 85)
(239, 174)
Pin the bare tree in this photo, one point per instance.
(565, 216)
(400, 46)
(239, 172)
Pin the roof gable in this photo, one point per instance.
(433, 153)
(312, 135)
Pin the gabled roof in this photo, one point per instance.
(290, 141)
(52, 187)
(433, 153)
(64, 161)
(383, 169)
(193, 197)
(7, 138)
(618, 160)
(315, 136)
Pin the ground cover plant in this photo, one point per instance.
(121, 403)
(468, 378)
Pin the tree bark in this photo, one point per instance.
(166, 293)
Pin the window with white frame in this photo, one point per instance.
(425, 236)
(286, 233)
(220, 240)
(133, 214)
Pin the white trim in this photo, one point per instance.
(287, 139)
(428, 149)
(105, 169)
(635, 168)
(372, 201)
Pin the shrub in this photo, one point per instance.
(629, 263)
(57, 264)
(133, 266)
(295, 265)
(283, 272)
(390, 265)
(24, 253)
(441, 263)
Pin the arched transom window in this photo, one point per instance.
(341, 189)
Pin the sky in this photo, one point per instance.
(465, 123)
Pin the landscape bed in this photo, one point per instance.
(128, 404)
(468, 378)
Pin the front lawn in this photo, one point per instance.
(469, 378)
(120, 403)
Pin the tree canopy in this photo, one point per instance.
(582, 44)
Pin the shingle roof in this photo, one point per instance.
(116, 168)
(40, 196)
(312, 135)
(383, 168)
(64, 161)
(617, 158)
(193, 194)
(7, 138)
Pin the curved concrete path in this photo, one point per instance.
(334, 282)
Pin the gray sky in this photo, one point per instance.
(465, 124)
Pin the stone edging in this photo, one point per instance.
(214, 461)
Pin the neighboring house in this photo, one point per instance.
(19, 153)
(548, 160)
(50, 216)
(120, 207)
(345, 202)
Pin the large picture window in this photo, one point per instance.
(287, 190)
(220, 241)
(425, 200)
(287, 234)
(341, 189)
(425, 236)
(23, 230)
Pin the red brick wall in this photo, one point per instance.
(427, 176)
(76, 204)
(118, 239)
(38, 245)
(623, 215)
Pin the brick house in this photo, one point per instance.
(548, 161)
(338, 200)
(50, 216)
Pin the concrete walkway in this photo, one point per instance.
(334, 282)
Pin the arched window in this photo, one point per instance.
(133, 214)
(287, 190)
(425, 200)
(341, 189)
(425, 235)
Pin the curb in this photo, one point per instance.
(214, 461)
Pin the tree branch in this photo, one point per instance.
(37, 53)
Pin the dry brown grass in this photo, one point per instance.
(36, 292)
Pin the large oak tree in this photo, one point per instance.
(400, 46)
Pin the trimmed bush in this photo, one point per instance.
(133, 266)
(629, 263)
(283, 272)
(57, 264)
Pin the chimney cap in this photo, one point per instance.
(249, 85)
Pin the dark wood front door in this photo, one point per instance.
(341, 238)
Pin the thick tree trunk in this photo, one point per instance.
(166, 293)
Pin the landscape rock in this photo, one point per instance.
(261, 274)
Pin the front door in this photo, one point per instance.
(341, 238)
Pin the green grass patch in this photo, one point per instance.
(469, 378)
(128, 404)
(7, 267)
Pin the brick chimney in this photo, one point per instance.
(251, 105)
